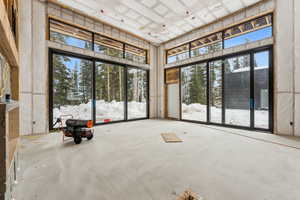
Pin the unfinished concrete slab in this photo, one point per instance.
(131, 161)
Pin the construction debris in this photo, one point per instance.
(170, 137)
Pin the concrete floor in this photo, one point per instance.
(130, 161)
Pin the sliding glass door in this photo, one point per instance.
(215, 91)
(90, 89)
(237, 90)
(262, 89)
(71, 88)
(109, 93)
(194, 92)
(137, 93)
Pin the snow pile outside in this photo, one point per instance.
(240, 117)
(111, 111)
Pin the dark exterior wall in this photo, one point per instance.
(237, 91)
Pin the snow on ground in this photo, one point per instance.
(111, 111)
(114, 111)
(197, 112)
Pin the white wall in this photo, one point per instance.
(297, 66)
(33, 68)
(287, 69)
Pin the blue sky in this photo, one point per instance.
(252, 36)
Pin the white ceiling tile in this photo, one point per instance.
(143, 21)
(250, 2)
(143, 10)
(161, 9)
(205, 15)
(149, 3)
(190, 3)
(164, 19)
(233, 6)
(180, 23)
(187, 27)
(131, 14)
(219, 12)
(175, 5)
(121, 9)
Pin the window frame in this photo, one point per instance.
(252, 52)
(223, 30)
(71, 25)
(93, 37)
(53, 51)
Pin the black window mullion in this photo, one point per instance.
(93, 41)
(126, 93)
(223, 92)
(94, 92)
(208, 92)
(252, 101)
(223, 39)
(148, 94)
(190, 49)
(124, 50)
(271, 101)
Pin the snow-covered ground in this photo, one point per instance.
(197, 112)
(114, 111)
(111, 111)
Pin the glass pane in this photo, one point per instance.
(135, 54)
(248, 37)
(215, 91)
(109, 89)
(261, 90)
(237, 91)
(206, 45)
(108, 46)
(72, 88)
(193, 92)
(137, 91)
(251, 31)
(70, 35)
(178, 53)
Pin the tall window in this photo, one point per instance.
(109, 88)
(237, 90)
(70, 35)
(137, 93)
(215, 91)
(72, 88)
(194, 93)
(261, 89)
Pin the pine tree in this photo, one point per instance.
(85, 84)
(61, 80)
